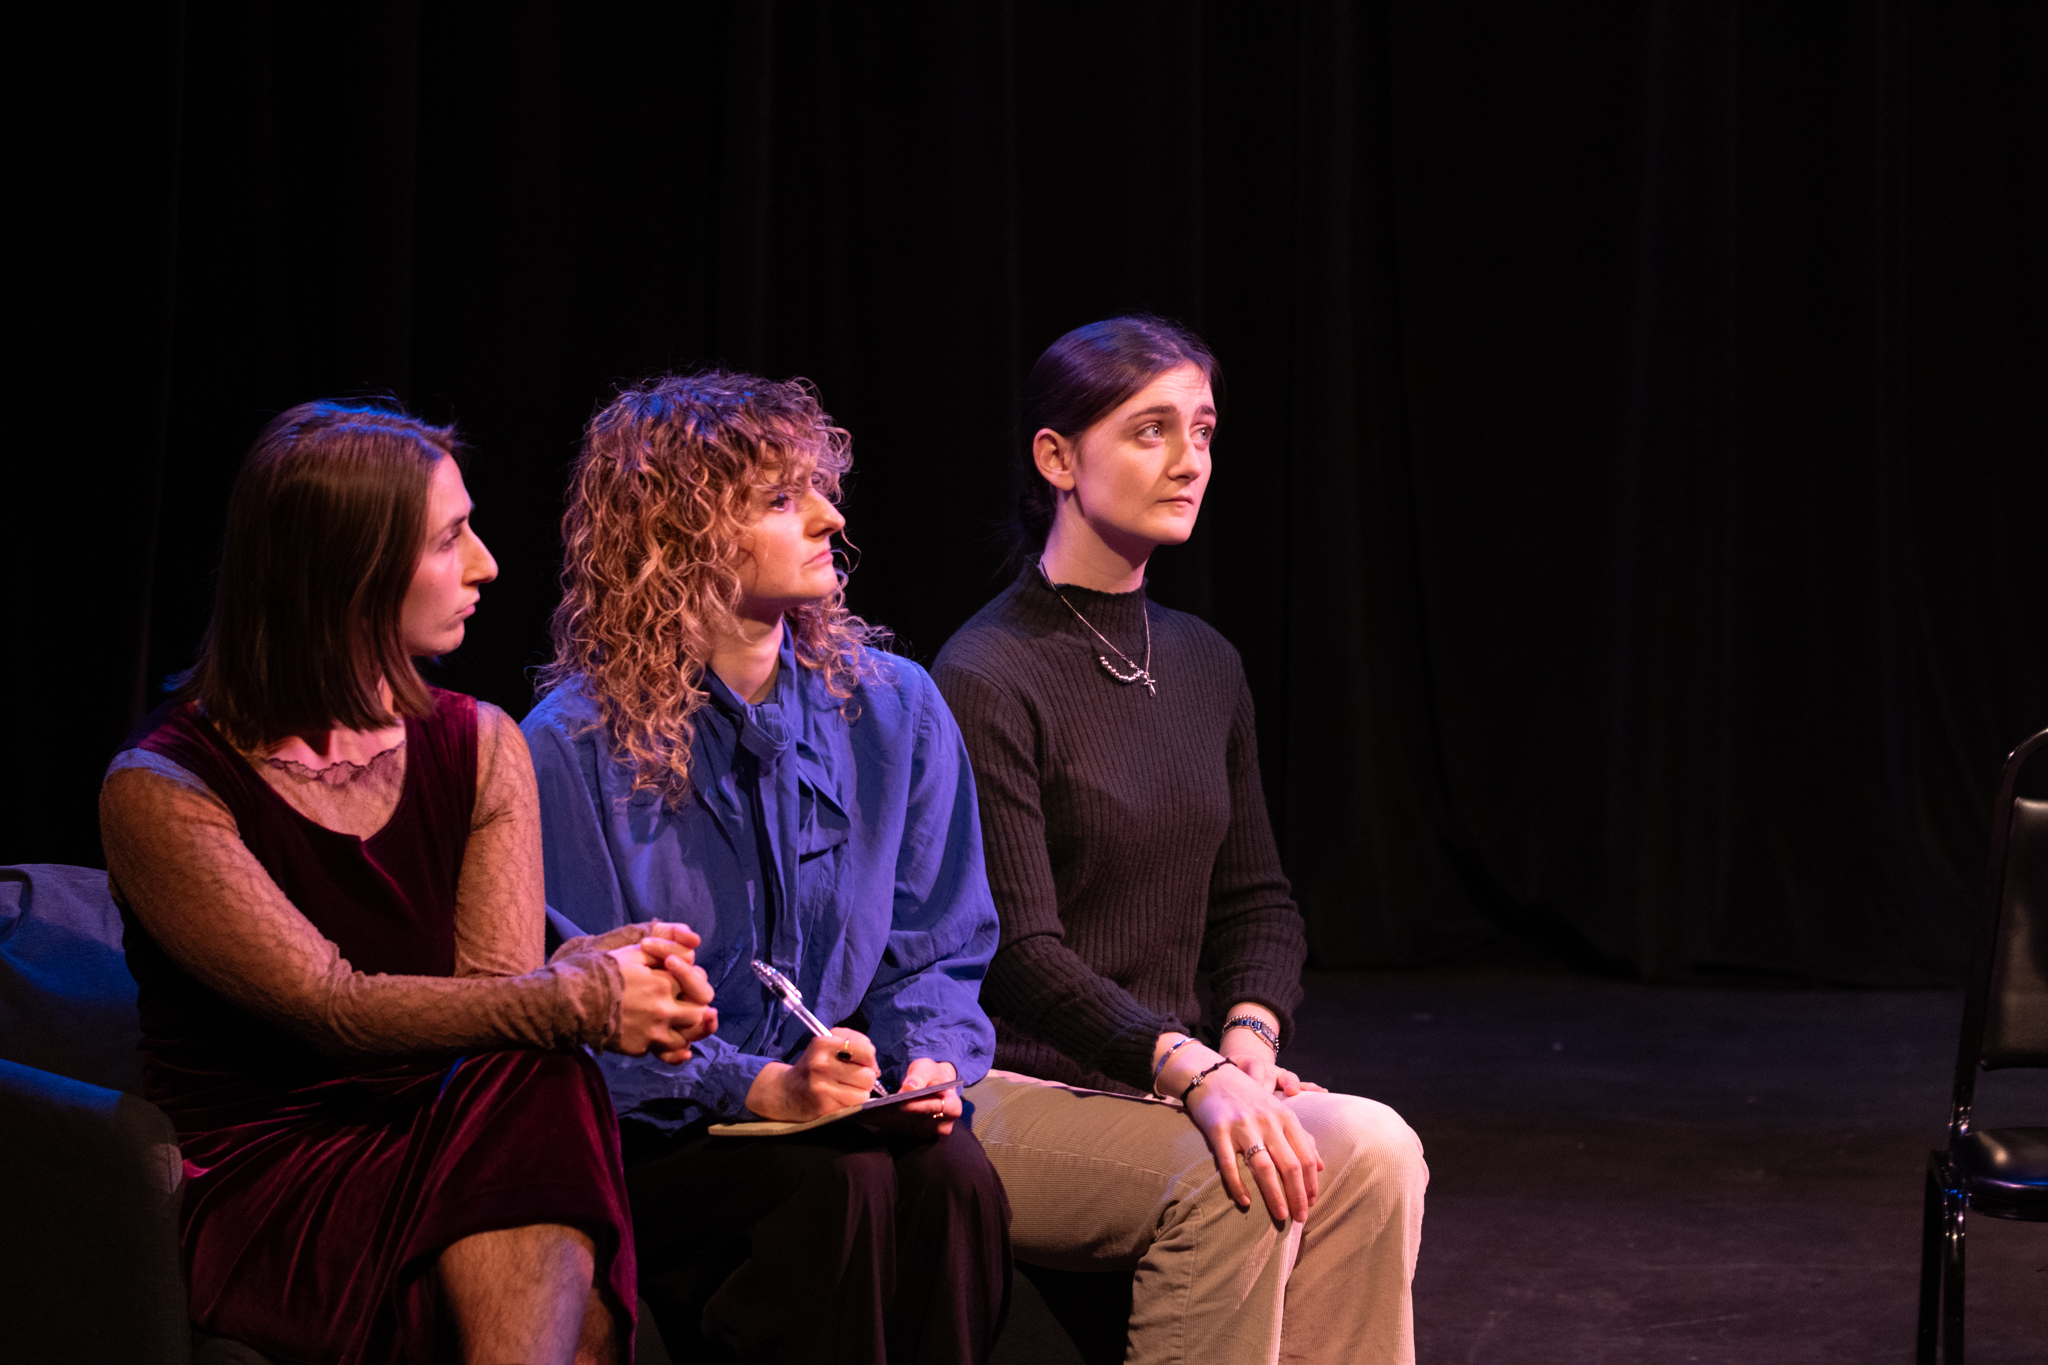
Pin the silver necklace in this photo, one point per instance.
(1140, 673)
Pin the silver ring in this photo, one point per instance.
(1254, 1150)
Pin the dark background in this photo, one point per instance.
(1629, 494)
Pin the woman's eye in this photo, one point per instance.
(1150, 429)
(779, 502)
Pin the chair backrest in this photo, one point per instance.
(67, 1002)
(2005, 1017)
(2016, 1007)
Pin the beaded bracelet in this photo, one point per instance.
(1201, 1076)
(1260, 1028)
(1161, 1064)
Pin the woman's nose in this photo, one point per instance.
(483, 565)
(825, 518)
(1189, 461)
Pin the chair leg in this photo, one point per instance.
(1955, 1208)
(1931, 1227)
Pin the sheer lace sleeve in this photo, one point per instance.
(176, 859)
(499, 916)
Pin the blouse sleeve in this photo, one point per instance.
(1036, 982)
(925, 997)
(584, 887)
(500, 916)
(176, 859)
(1253, 947)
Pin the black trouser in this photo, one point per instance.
(837, 1245)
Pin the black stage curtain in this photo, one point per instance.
(1633, 429)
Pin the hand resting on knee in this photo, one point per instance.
(1235, 1096)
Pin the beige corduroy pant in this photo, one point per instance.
(1100, 1181)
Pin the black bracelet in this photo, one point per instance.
(1201, 1076)
(1260, 1027)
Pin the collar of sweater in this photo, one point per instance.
(1118, 615)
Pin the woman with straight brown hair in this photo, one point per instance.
(330, 878)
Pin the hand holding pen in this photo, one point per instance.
(828, 1075)
(852, 1046)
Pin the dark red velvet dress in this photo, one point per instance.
(318, 1191)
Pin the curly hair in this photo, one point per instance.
(659, 504)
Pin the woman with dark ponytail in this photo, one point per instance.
(1129, 851)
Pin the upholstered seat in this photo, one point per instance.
(2005, 1172)
(1998, 1172)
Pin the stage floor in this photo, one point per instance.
(1635, 1174)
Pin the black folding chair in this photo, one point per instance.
(1999, 1172)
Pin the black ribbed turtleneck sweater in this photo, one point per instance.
(1126, 833)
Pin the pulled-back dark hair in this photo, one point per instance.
(325, 527)
(1081, 379)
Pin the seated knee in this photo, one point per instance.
(957, 1165)
(1351, 1128)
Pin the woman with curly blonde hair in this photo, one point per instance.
(722, 741)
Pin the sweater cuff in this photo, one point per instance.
(1230, 993)
(1128, 1056)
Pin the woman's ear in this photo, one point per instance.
(1054, 456)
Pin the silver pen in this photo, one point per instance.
(785, 990)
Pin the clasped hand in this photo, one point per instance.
(667, 1002)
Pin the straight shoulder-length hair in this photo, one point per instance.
(324, 531)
